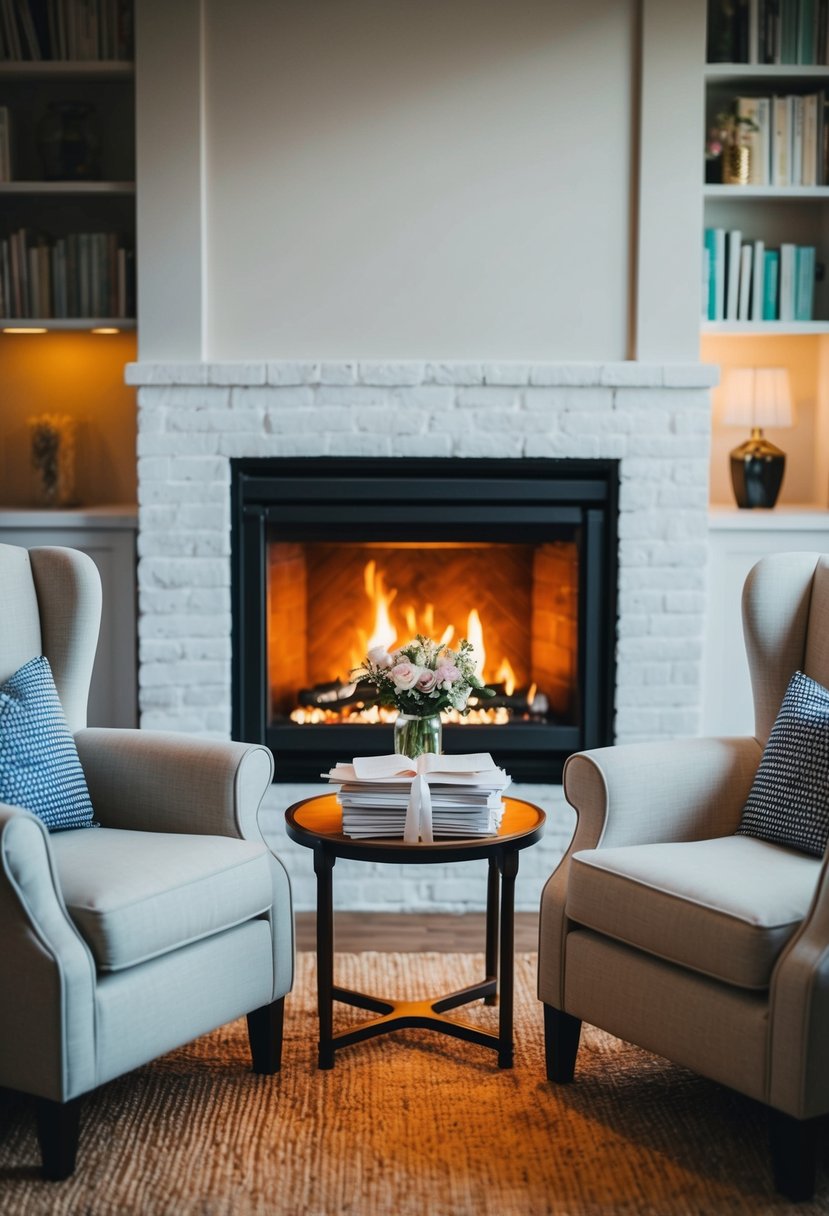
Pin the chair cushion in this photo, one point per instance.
(136, 895)
(39, 765)
(789, 800)
(724, 907)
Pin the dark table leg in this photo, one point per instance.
(323, 867)
(509, 869)
(493, 887)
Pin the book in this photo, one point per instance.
(806, 31)
(804, 282)
(758, 141)
(745, 282)
(788, 30)
(796, 170)
(732, 289)
(709, 277)
(771, 274)
(420, 798)
(781, 141)
(757, 272)
(787, 282)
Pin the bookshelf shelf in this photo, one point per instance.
(67, 323)
(37, 187)
(54, 69)
(749, 328)
(759, 73)
(742, 194)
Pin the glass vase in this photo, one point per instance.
(414, 736)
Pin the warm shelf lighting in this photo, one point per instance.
(105, 329)
(25, 329)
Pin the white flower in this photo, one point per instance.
(405, 675)
(378, 656)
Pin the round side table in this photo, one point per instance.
(316, 823)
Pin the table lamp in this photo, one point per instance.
(756, 397)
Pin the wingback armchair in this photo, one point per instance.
(122, 942)
(667, 929)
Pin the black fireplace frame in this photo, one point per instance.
(321, 498)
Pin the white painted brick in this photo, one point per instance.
(165, 373)
(652, 648)
(689, 496)
(488, 420)
(159, 698)
(637, 495)
(649, 421)
(436, 397)
(150, 421)
(588, 422)
(614, 447)
(686, 672)
(153, 468)
(423, 445)
(679, 722)
(640, 469)
(380, 419)
(633, 625)
(360, 445)
(184, 544)
(685, 601)
(214, 517)
(176, 397)
(236, 373)
(299, 396)
(333, 372)
(583, 447)
(176, 624)
(691, 423)
(182, 674)
(677, 625)
(319, 421)
(199, 468)
(150, 518)
(657, 697)
(506, 373)
(253, 444)
(640, 601)
(203, 694)
(209, 599)
(190, 572)
(207, 648)
(542, 447)
(686, 525)
(204, 444)
(666, 579)
(395, 374)
(154, 603)
(690, 375)
(630, 374)
(215, 420)
(487, 397)
(497, 444)
(181, 721)
(673, 446)
(454, 373)
(160, 650)
(292, 372)
(350, 397)
(566, 373)
(153, 492)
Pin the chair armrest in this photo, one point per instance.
(642, 793)
(799, 1014)
(47, 974)
(152, 781)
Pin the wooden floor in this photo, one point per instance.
(355, 931)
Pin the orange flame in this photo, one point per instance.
(475, 635)
(506, 676)
(383, 633)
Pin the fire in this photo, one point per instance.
(384, 633)
(475, 635)
(506, 676)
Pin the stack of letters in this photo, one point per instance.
(420, 799)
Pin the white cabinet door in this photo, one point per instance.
(727, 707)
(113, 695)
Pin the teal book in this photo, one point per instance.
(804, 291)
(806, 32)
(771, 275)
(788, 31)
(710, 253)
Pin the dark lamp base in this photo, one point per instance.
(757, 468)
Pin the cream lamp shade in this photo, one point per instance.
(757, 397)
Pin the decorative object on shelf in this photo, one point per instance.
(757, 397)
(419, 680)
(67, 142)
(53, 458)
(728, 139)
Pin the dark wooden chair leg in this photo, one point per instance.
(561, 1044)
(58, 1125)
(265, 1036)
(793, 1155)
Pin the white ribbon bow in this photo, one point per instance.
(419, 813)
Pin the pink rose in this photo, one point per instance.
(378, 656)
(405, 675)
(427, 680)
(446, 673)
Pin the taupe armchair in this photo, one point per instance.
(666, 929)
(122, 942)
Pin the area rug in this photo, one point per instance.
(416, 1123)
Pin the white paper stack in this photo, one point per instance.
(420, 799)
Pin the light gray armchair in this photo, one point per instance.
(122, 942)
(665, 928)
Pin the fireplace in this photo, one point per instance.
(331, 556)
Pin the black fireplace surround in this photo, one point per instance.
(425, 500)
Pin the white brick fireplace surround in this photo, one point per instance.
(655, 419)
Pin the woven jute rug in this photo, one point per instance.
(414, 1123)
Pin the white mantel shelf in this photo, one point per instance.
(789, 518)
(121, 515)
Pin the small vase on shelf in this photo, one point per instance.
(414, 736)
(52, 438)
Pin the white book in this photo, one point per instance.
(732, 291)
(808, 169)
(754, 31)
(796, 172)
(758, 262)
(781, 141)
(757, 141)
(472, 769)
(788, 258)
(745, 282)
(719, 274)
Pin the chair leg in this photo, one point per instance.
(265, 1036)
(58, 1126)
(794, 1145)
(561, 1044)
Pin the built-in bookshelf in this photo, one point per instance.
(67, 164)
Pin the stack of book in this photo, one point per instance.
(768, 31)
(65, 29)
(744, 281)
(385, 796)
(84, 274)
(788, 139)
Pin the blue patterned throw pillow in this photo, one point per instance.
(39, 765)
(789, 800)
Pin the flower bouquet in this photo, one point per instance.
(419, 680)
